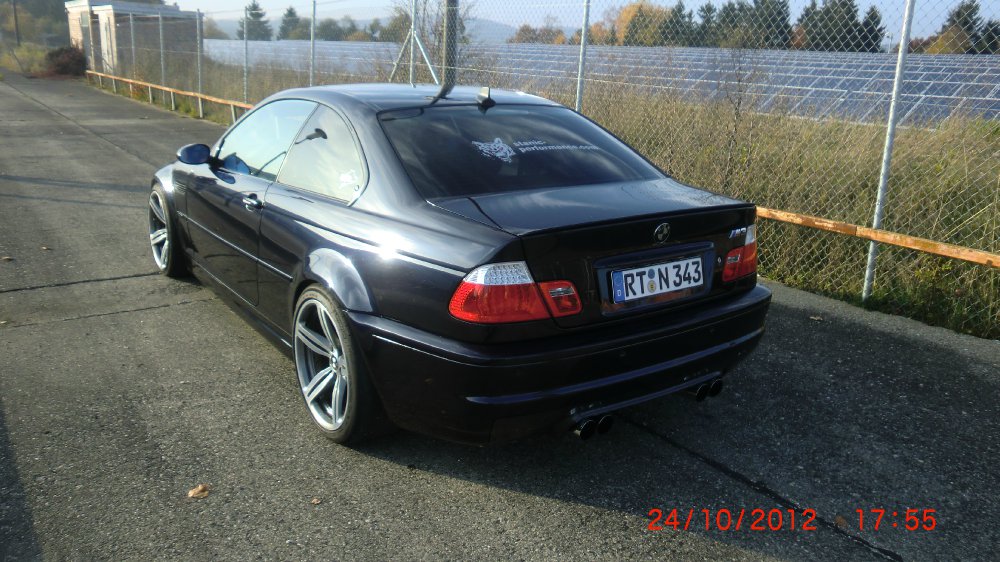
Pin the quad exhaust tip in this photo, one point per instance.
(715, 388)
(585, 429)
(604, 424)
(590, 427)
(699, 393)
(705, 390)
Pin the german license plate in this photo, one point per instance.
(652, 280)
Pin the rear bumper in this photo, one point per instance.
(482, 393)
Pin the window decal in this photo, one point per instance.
(496, 149)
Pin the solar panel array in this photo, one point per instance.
(818, 85)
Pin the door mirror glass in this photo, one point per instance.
(194, 154)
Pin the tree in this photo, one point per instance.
(953, 40)
(258, 28)
(838, 27)
(771, 23)
(211, 30)
(734, 29)
(989, 38)
(707, 28)
(641, 24)
(808, 27)
(329, 30)
(349, 26)
(677, 28)
(375, 29)
(289, 22)
(872, 31)
(398, 27)
(548, 33)
(965, 16)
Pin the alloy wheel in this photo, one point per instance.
(321, 365)
(159, 234)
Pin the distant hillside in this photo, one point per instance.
(481, 30)
(489, 31)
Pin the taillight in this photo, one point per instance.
(498, 293)
(742, 261)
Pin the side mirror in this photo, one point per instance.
(194, 154)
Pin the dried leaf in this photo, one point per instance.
(199, 491)
(6, 258)
(316, 501)
(816, 318)
(46, 248)
(840, 522)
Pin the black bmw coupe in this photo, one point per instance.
(478, 267)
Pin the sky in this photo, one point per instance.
(929, 15)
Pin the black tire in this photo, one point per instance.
(164, 239)
(349, 419)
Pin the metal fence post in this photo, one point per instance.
(131, 36)
(201, 52)
(312, 46)
(413, 35)
(163, 54)
(890, 137)
(583, 55)
(246, 56)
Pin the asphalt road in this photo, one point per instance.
(121, 390)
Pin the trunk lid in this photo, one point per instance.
(604, 236)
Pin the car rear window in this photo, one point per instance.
(462, 151)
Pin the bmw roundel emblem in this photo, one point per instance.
(661, 233)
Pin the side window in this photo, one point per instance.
(325, 158)
(258, 145)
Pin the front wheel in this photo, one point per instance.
(163, 239)
(331, 374)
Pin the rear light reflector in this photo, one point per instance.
(561, 298)
(500, 293)
(742, 261)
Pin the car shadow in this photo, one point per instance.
(48, 182)
(17, 533)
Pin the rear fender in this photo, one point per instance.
(337, 274)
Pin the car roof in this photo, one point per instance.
(380, 97)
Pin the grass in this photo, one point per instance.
(28, 58)
(944, 183)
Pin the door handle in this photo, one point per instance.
(252, 203)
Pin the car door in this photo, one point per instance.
(323, 173)
(224, 200)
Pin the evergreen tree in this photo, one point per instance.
(989, 38)
(258, 28)
(734, 28)
(289, 22)
(677, 28)
(771, 23)
(966, 17)
(838, 26)
(809, 26)
(707, 29)
(872, 31)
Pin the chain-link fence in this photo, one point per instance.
(784, 104)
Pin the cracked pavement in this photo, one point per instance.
(120, 390)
